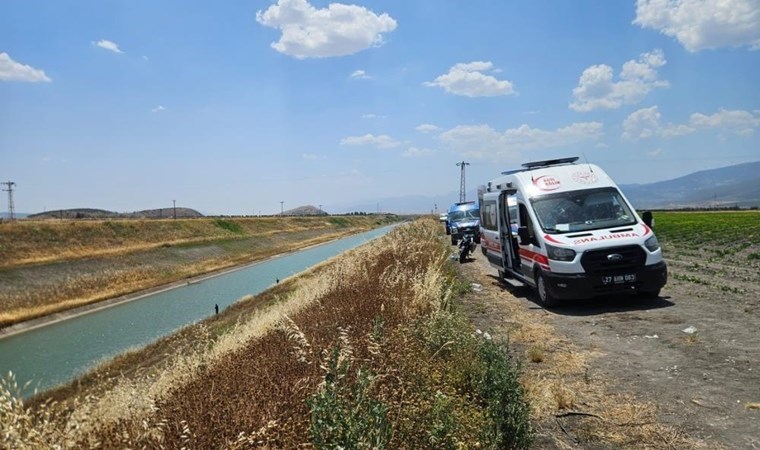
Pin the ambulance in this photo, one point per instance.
(567, 231)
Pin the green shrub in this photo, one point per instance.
(339, 221)
(229, 225)
(343, 414)
(504, 397)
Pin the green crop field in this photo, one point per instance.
(721, 233)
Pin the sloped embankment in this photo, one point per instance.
(365, 353)
(48, 267)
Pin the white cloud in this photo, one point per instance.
(11, 70)
(158, 109)
(108, 45)
(359, 75)
(641, 124)
(471, 80)
(645, 123)
(381, 141)
(597, 90)
(414, 152)
(427, 128)
(703, 24)
(654, 153)
(311, 156)
(373, 116)
(739, 122)
(482, 141)
(338, 30)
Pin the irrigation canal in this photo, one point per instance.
(57, 353)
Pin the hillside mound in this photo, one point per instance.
(92, 213)
(307, 210)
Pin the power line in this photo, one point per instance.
(11, 208)
(461, 183)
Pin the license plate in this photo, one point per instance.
(619, 279)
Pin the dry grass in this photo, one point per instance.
(60, 287)
(246, 387)
(536, 353)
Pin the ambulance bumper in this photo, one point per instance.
(582, 285)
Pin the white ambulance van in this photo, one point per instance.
(566, 230)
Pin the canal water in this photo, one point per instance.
(59, 352)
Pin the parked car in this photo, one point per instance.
(463, 218)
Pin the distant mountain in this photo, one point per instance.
(308, 210)
(727, 186)
(90, 213)
(6, 215)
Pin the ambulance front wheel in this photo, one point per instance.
(544, 295)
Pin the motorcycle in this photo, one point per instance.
(466, 246)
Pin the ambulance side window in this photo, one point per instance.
(510, 203)
(488, 215)
(526, 222)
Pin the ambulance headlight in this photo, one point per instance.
(651, 244)
(559, 253)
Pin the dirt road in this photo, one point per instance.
(627, 365)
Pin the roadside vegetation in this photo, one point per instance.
(365, 351)
(52, 266)
(715, 249)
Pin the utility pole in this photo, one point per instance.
(282, 207)
(11, 208)
(174, 205)
(461, 183)
(320, 210)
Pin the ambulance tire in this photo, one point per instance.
(453, 240)
(543, 293)
(448, 231)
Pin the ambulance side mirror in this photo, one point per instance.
(522, 233)
(648, 219)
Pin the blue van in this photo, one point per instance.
(463, 218)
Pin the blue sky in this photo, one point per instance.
(231, 107)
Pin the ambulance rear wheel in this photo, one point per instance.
(453, 240)
(544, 295)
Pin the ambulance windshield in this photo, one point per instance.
(589, 209)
